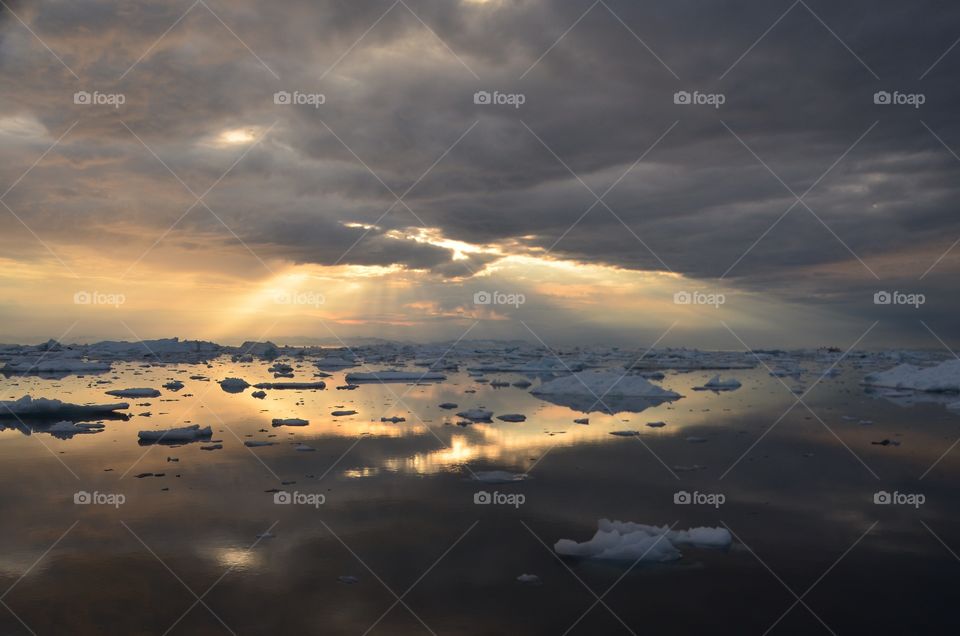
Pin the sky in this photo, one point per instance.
(569, 173)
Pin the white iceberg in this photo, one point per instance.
(604, 390)
(182, 434)
(627, 541)
(334, 362)
(942, 378)
(43, 407)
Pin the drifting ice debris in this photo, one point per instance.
(291, 385)
(395, 376)
(498, 477)
(448, 405)
(716, 384)
(291, 421)
(51, 364)
(393, 420)
(251, 443)
(67, 429)
(43, 408)
(182, 434)
(942, 378)
(512, 417)
(656, 424)
(582, 420)
(348, 387)
(234, 385)
(343, 413)
(626, 541)
(523, 384)
(625, 433)
(259, 394)
(175, 385)
(529, 579)
(476, 415)
(886, 442)
(134, 393)
(212, 447)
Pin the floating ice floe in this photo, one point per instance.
(395, 376)
(290, 421)
(716, 384)
(448, 405)
(175, 385)
(134, 393)
(625, 433)
(255, 443)
(512, 417)
(604, 391)
(942, 378)
(181, 434)
(259, 394)
(656, 424)
(627, 541)
(234, 385)
(67, 429)
(334, 362)
(498, 476)
(343, 413)
(28, 407)
(476, 415)
(393, 420)
(291, 385)
(60, 364)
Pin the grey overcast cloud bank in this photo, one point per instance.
(707, 192)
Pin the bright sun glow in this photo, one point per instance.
(237, 136)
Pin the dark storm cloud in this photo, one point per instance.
(599, 99)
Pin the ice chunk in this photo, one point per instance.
(28, 407)
(234, 385)
(610, 391)
(292, 385)
(395, 376)
(716, 384)
(134, 393)
(182, 434)
(291, 421)
(476, 415)
(512, 417)
(618, 540)
(498, 476)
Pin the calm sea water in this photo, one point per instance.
(399, 512)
